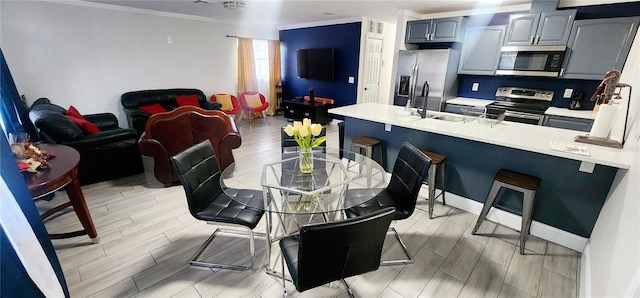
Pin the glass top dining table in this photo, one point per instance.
(287, 190)
(293, 198)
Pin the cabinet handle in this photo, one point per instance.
(537, 39)
(533, 38)
(561, 72)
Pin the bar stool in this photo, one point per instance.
(527, 185)
(368, 144)
(437, 161)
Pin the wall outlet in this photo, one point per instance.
(587, 167)
(475, 86)
(567, 93)
(352, 80)
(387, 127)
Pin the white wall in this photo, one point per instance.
(87, 56)
(611, 260)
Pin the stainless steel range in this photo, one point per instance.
(521, 104)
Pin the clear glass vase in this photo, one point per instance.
(306, 161)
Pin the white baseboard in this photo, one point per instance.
(513, 221)
(584, 289)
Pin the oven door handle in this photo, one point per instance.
(522, 115)
(525, 116)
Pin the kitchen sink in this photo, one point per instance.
(450, 118)
(444, 116)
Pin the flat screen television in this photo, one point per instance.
(316, 64)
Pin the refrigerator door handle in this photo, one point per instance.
(414, 76)
(412, 81)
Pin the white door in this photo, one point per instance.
(371, 71)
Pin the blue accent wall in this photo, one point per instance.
(345, 39)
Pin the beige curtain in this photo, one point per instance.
(247, 80)
(274, 75)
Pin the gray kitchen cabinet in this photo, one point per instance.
(435, 30)
(568, 122)
(481, 50)
(598, 45)
(546, 28)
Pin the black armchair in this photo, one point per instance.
(332, 251)
(199, 173)
(409, 172)
(112, 153)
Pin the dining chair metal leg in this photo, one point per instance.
(347, 288)
(194, 261)
(408, 260)
(284, 286)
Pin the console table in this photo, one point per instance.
(299, 109)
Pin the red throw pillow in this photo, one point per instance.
(188, 100)
(85, 125)
(73, 112)
(153, 109)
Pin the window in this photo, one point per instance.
(261, 55)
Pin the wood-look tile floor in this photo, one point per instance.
(147, 236)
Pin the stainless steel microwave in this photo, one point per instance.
(540, 61)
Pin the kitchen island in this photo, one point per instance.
(569, 200)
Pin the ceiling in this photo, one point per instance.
(283, 13)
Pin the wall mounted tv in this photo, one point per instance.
(316, 64)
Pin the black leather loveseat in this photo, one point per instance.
(109, 154)
(137, 118)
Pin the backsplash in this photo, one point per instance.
(489, 85)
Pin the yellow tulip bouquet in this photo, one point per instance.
(306, 135)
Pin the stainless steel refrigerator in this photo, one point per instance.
(427, 77)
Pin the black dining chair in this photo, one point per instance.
(199, 173)
(409, 172)
(331, 251)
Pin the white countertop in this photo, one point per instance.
(465, 101)
(527, 137)
(584, 114)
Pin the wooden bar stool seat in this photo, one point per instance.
(527, 185)
(437, 161)
(368, 144)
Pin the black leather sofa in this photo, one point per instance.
(137, 118)
(109, 154)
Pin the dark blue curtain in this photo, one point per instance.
(15, 279)
(15, 117)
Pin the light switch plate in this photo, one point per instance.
(387, 127)
(352, 80)
(587, 167)
(567, 93)
(475, 86)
